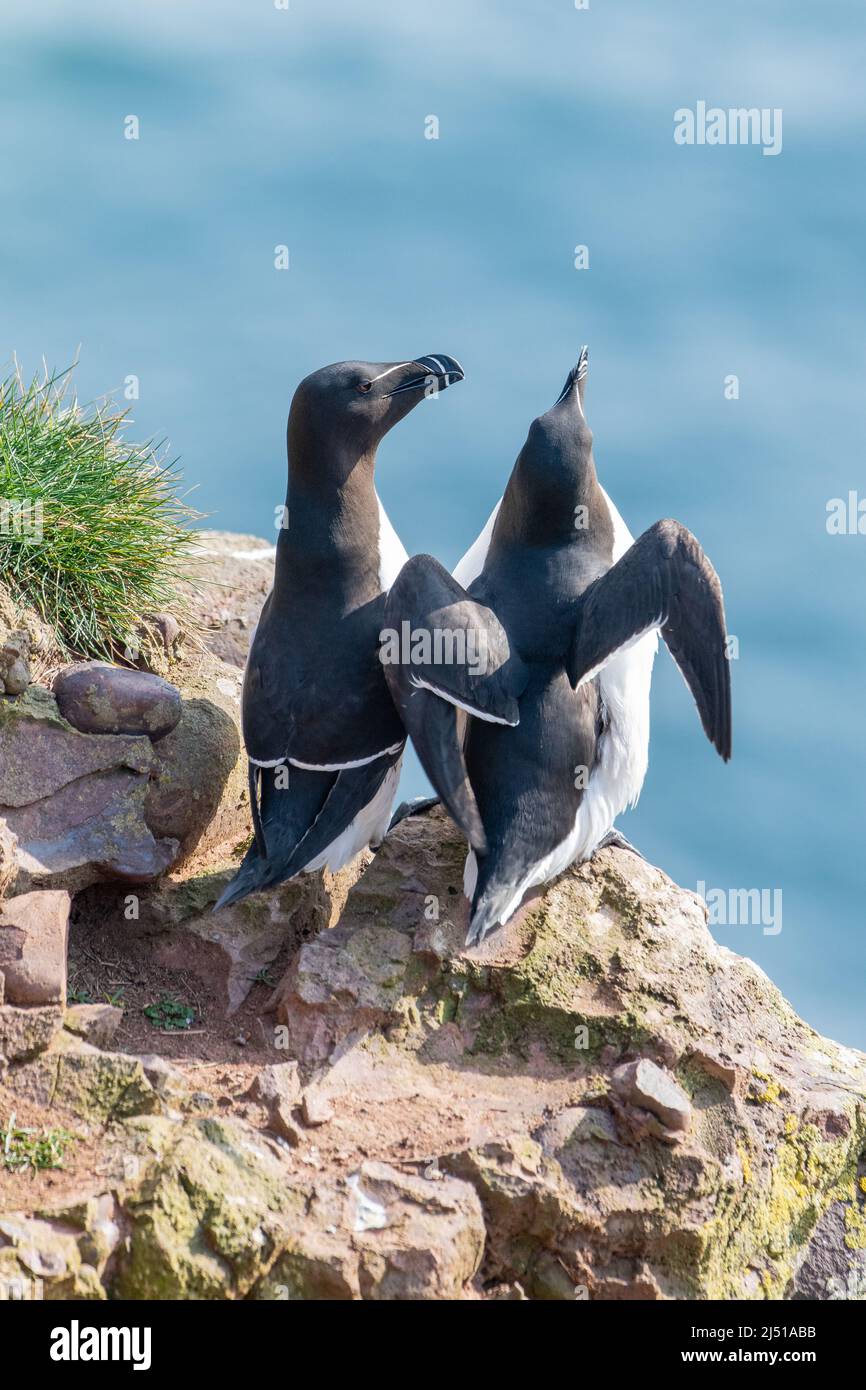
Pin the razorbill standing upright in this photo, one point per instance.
(539, 747)
(323, 739)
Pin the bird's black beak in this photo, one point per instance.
(575, 378)
(435, 373)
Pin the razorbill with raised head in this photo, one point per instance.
(539, 747)
(323, 739)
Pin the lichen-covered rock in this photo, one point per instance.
(96, 1086)
(26, 1032)
(60, 1254)
(43, 1259)
(599, 1102)
(97, 698)
(34, 931)
(198, 789)
(210, 1218)
(382, 1235)
(834, 1265)
(95, 1023)
(685, 1132)
(99, 1085)
(75, 802)
(220, 1215)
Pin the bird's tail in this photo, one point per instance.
(291, 800)
(491, 908)
(310, 820)
(250, 877)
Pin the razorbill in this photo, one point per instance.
(538, 749)
(323, 739)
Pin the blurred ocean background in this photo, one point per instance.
(304, 127)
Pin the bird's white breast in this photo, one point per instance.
(625, 688)
(473, 561)
(392, 552)
(618, 776)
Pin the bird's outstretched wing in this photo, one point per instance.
(664, 582)
(444, 652)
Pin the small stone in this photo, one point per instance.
(283, 1124)
(96, 1023)
(14, 663)
(96, 698)
(717, 1066)
(431, 938)
(16, 677)
(166, 1079)
(168, 628)
(277, 1084)
(644, 1084)
(316, 1108)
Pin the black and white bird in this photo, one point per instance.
(323, 739)
(538, 747)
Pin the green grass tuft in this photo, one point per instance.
(93, 534)
(21, 1149)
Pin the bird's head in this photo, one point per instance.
(554, 478)
(351, 406)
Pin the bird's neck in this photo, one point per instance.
(553, 505)
(329, 526)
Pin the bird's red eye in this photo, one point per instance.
(364, 386)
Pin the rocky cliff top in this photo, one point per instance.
(320, 1093)
(600, 1101)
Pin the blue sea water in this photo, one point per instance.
(305, 127)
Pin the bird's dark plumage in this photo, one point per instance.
(321, 733)
(537, 753)
(665, 580)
